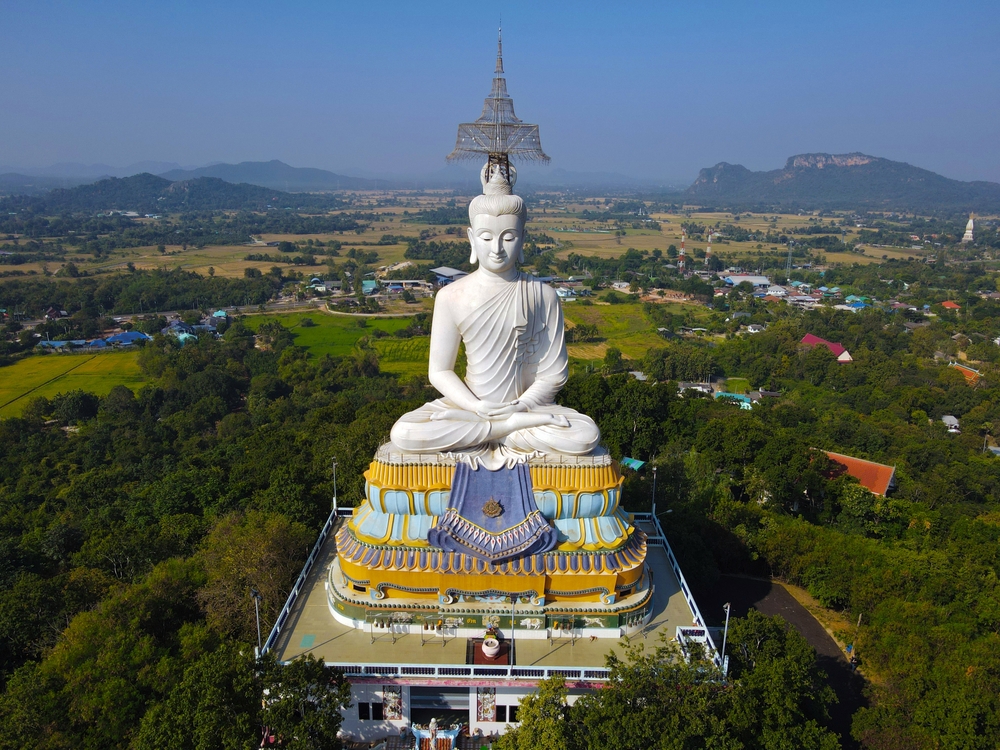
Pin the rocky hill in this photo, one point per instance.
(842, 181)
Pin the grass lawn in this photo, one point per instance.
(737, 385)
(623, 326)
(404, 357)
(51, 374)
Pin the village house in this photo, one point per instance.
(838, 350)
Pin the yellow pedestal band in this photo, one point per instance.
(425, 477)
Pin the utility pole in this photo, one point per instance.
(256, 607)
(654, 493)
(725, 633)
(333, 461)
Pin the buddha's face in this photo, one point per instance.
(496, 241)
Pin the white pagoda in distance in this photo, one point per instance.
(967, 237)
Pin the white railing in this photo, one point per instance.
(454, 671)
(468, 671)
(272, 638)
(660, 540)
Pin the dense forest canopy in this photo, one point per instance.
(121, 515)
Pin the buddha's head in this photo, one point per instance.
(497, 224)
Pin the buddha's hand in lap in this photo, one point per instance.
(491, 410)
(507, 417)
(526, 419)
(518, 415)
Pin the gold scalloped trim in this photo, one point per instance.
(562, 479)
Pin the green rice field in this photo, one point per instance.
(337, 335)
(404, 357)
(623, 326)
(51, 374)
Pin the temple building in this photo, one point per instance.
(967, 237)
(490, 549)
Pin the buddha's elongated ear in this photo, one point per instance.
(472, 255)
(520, 251)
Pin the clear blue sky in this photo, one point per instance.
(655, 90)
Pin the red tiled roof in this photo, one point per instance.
(971, 376)
(876, 478)
(949, 305)
(810, 340)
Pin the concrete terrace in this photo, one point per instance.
(311, 628)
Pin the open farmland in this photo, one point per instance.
(625, 326)
(569, 225)
(337, 335)
(51, 374)
(403, 357)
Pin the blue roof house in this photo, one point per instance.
(127, 338)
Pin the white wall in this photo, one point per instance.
(367, 730)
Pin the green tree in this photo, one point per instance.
(303, 704)
(543, 718)
(779, 696)
(258, 550)
(216, 704)
(653, 699)
(613, 361)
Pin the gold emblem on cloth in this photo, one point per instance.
(492, 508)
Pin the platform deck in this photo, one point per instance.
(311, 628)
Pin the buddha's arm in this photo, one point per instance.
(445, 340)
(553, 369)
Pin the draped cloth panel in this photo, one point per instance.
(492, 516)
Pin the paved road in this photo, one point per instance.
(273, 306)
(772, 599)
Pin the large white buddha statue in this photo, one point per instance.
(504, 411)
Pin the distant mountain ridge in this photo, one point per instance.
(842, 181)
(13, 183)
(149, 194)
(277, 175)
(79, 174)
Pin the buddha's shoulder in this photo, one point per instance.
(456, 288)
(546, 290)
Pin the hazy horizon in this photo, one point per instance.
(655, 94)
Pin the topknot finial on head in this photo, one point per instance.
(493, 181)
(498, 197)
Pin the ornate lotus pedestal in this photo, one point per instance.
(436, 541)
